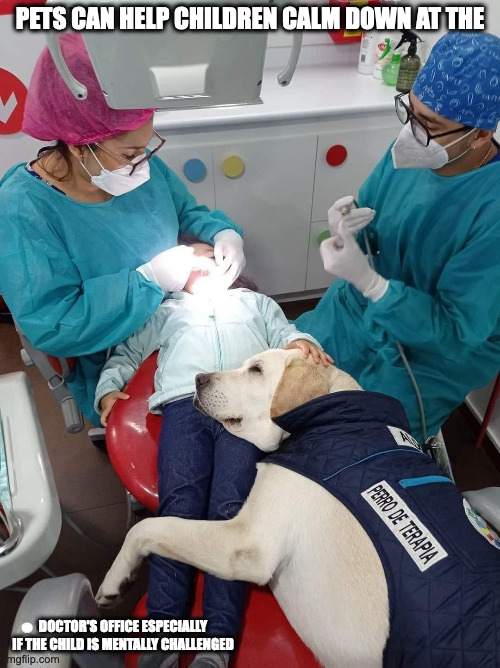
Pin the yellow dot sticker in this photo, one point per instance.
(233, 167)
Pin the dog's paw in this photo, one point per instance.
(105, 599)
(114, 587)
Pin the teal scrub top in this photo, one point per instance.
(68, 269)
(437, 240)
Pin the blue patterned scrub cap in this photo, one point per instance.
(461, 79)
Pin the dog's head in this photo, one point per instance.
(274, 382)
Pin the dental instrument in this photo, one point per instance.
(434, 443)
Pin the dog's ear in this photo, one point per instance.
(302, 381)
(340, 381)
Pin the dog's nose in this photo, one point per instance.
(202, 379)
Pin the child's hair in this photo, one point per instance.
(186, 239)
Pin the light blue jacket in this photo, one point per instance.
(197, 334)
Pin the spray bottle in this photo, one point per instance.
(410, 63)
(382, 56)
(390, 72)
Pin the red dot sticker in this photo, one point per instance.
(7, 6)
(12, 100)
(336, 155)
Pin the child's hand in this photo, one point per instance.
(309, 348)
(107, 403)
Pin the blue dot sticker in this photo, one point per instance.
(195, 170)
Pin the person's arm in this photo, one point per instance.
(466, 305)
(279, 331)
(195, 218)
(58, 312)
(464, 311)
(127, 357)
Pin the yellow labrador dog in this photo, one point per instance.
(291, 533)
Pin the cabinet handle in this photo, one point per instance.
(233, 167)
(336, 155)
(194, 170)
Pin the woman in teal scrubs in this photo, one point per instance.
(435, 203)
(86, 228)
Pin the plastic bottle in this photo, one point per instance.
(369, 41)
(382, 56)
(410, 64)
(391, 71)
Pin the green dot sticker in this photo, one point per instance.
(323, 236)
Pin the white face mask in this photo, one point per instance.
(119, 181)
(408, 153)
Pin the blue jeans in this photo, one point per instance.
(204, 473)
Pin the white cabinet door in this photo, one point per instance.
(177, 158)
(317, 277)
(271, 200)
(363, 150)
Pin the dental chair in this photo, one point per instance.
(67, 597)
(55, 370)
(30, 524)
(132, 440)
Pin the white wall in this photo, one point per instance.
(18, 53)
(493, 14)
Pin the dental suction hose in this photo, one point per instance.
(345, 210)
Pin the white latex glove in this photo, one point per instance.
(229, 256)
(354, 221)
(347, 261)
(171, 268)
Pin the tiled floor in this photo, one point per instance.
(92, 495)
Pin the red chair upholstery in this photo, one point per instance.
(132, 438)
(268, 640)
(62, 366)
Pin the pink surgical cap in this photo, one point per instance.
(52, 112)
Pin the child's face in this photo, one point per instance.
(203, 279)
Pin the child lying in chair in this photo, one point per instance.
(204, 472)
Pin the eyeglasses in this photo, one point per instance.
(146, 158)
(419, 129)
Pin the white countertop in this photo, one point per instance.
(319, 91)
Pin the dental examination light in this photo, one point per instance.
(170, 69)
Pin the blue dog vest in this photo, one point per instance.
(442, 564)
